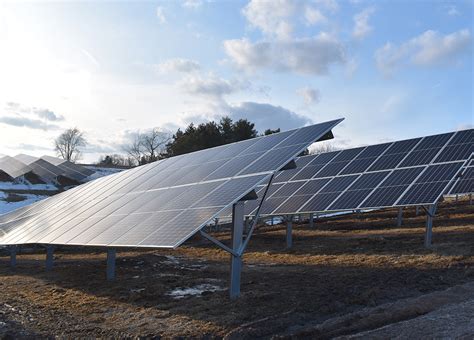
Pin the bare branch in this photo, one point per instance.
(68, 144)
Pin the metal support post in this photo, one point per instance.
(111, 254)
(49, 257)
(400, 217)
(417, 210)
(429, 225)
(289, 232)
(311, 220)
(236, 261)
(470, 199)
(13, 256)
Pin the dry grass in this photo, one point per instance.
(341, 266)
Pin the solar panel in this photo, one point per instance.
(401, 173)
(161, 204)
(465, 184)
(13, 167)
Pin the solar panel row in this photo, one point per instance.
(160, 204)
(409, 172)
(465, 184)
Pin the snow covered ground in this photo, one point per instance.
(27, 187)
(101, 172)
(6, 207)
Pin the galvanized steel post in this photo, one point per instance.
(111, 254)
(429, 225)
(13, 256)
(400, 217)
(49, 257)
(289, 232)
(236, 261)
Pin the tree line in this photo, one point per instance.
(155, 144)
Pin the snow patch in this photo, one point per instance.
(24, 186)
(180, 293)
(6, 207)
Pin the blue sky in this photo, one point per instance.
(393, 69)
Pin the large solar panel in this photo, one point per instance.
(13, 167)
(70, 169)
(465, 183)
(409, 172)
(161, 204)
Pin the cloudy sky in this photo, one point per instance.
(393, 69)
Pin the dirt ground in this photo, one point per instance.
(345, 265)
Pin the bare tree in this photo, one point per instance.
(147, 147)
(154, 143)
(116, 160)
(135, 148)
(322, 148)
(68, 144)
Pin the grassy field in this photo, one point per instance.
(344, 265)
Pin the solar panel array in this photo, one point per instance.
(69, 169)
(47, 168)
(161, 204)
(465, 184)
(40, 167)
(409, 172)
(13, 167)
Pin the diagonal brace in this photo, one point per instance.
(219, 243)
(255, 219)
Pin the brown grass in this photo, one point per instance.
(341, 266)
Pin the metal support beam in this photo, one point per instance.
(111, 254)
(400, 217)
(247, 224)
(311, 220)
(417, 210)
(430, 212)
(289, 232)
(236, 261)
(49, 257)
(13, 250)
(470, 199)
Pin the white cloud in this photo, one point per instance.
(267, 116)
(453, 11)
(160, 14)
(314, 16)
(309, 95)
(20, 121)
(310, 56)
(210, 86)
(193, 4)
(271, 17)
(361, 23)
(178, 65)
(32, 117)
(428, 49)
(277, 18)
